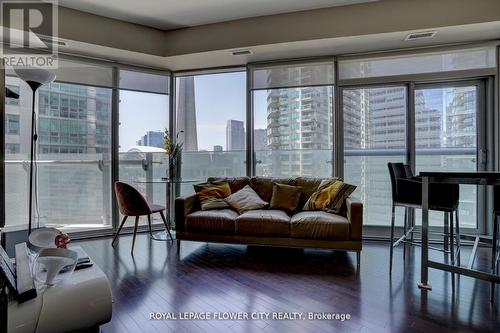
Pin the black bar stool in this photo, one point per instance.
(407, 193)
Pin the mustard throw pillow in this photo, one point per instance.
(212, 194)
(330, 196)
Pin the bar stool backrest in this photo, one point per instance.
(496, 199)
(396, 171)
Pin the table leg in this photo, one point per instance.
(424, 268)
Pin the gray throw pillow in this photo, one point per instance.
(245, 199)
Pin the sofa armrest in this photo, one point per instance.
(184, 206)
(355, 217)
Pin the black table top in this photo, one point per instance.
(471, 178)
(465, 175)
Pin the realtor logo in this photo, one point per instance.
(29, 33)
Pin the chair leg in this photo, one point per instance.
(405, 228)
(392, 240)
(446, 232)
(452, 241)
(412, 222)
(149, 224)
(494, 255)
(135, 234)
(166, 225)
(118, 231)
(457, 236)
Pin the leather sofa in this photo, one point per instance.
(304, 229)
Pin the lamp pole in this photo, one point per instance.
(35, 78)
(34, 136)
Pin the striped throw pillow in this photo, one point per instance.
(330, 196)
(212, 194)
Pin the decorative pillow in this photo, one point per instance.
(330, 196)
(285, 197)
(245, 199)
(212, 195)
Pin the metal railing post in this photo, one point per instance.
(148, 165)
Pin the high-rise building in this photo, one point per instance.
(259, 139)
(152, 139)
(235, 135)
(186, 113)
(461, 117)
(299, 123)
(72, 119)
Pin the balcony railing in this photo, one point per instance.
(367, 169)
(75, 190)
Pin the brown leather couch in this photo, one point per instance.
(304, 229)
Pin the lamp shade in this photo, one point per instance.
(35, 77)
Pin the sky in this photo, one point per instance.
(218, 98)
(141, 112)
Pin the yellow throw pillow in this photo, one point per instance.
(330, 196)
(212, 195)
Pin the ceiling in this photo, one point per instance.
(320, 47)
(173, 14)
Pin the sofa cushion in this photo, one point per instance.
(264, 186)
(211, 221)
(212, 194)
(285, 197)
(263, 222)
(245, 199)
(319, 225)
(235, 183)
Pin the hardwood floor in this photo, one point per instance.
(229, 278)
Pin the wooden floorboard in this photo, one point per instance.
(235, 278)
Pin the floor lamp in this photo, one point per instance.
(35, 78)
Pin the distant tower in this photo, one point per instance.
(260, 139)
(235, 135)
(186, 113)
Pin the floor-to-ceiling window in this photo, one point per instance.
(292, 106)
(444, 131)
(211, 113)
(143, 119)
(73, 119)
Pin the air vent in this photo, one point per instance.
(241, 52)
(421, 35)
(52, 40)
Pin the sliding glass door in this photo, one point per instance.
(374, 125)
(447, 135)
(447, 127)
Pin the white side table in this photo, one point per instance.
(81, 302)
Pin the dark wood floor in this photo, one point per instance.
(229, 278)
